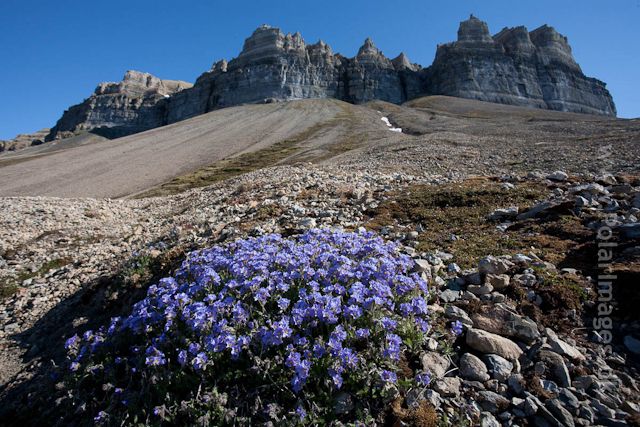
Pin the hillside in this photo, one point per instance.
(438, 133)
(504, 219)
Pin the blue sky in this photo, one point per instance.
(54, 54)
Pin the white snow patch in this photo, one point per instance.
(386, 120)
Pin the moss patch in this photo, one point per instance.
(460, 210)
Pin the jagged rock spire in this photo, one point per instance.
(474, 31)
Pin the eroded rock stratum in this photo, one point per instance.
(515, 66)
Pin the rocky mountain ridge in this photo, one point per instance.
(24, 140)
(516, 67)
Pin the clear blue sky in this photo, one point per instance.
(54, 53)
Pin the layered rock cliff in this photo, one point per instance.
(530, 69)
(137, 103)
(515, 66)
(277, 67)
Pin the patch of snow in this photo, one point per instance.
(388, 123)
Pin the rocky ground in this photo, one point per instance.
(528, 355)
(506, 217)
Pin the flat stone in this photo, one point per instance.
(478, 290)
(565, 349)
(489, 343)
(502, 320)
(557, 176)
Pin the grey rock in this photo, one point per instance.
(556, 366)
(473, 368)
(530, 406)
(435, 364)
(135, 104)
(499, 281)
(492, 402)
(569, 401)
(516, 67)
(421, 265)
(478, 290)
(565, 349)
(489, 343)
(602, 409)
(450, 295)
(517, 384)
(500, 214)
(558, 176)
(488, 420)
(471, 276)
(499, 367)
(307, 223)
(555, 407)
(456, 313)
(448, 386)
(515, 52)
(494, 265)
(501, 319)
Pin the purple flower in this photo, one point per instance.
(71, 342)
(389, 376)
(301, 413)
(349, 358)
(362, 333)
(74, 366)
(423, 379)
(456, 328)
(200, 361)
(336, 377)
(101, 416)
(194, 348)
(388, 324)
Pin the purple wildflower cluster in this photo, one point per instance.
(326, 300)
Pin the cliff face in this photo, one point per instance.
(515, 66)
(530, 69)
(135, 104)
(275, 67)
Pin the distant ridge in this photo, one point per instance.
(515, 67)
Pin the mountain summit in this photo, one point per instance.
(515, 66)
